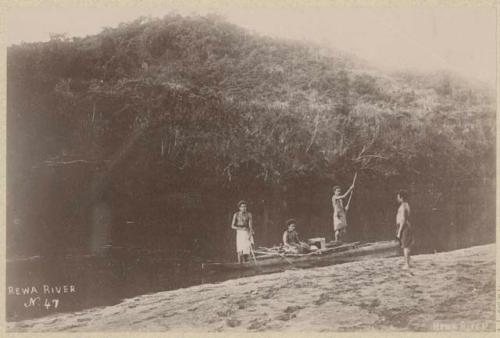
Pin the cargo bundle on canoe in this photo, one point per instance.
(333, 253)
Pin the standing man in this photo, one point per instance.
(242, 223)
(339, 213)
(404, 234)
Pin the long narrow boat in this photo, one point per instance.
(332, 254)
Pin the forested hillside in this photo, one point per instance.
(147, 135)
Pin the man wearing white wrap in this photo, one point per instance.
(339, 212)
(242, 223)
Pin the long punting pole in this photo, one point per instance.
(350, 196)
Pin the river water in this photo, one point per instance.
(41, 286)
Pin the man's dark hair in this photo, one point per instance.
(403, 194)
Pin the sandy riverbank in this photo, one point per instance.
(446, 291)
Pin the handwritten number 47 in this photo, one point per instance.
(49, 303)
(33, 302)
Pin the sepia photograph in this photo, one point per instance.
(242, 168)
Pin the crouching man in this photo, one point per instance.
(291, 241)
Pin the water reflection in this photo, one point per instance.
(102, 280)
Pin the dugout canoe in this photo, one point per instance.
(332, 254)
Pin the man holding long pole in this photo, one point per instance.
(339, 212)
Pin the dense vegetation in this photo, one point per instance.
(148, 134)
